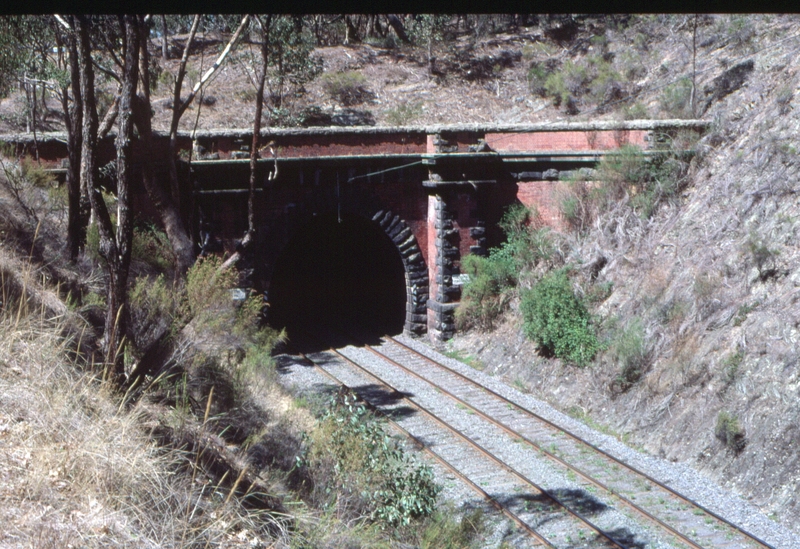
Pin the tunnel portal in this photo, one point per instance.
(344, 273)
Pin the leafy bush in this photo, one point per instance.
(482, 298)
(345, 87)
(207, 289)
(557, 320)
(568, 84)
(606, 84)
(151, 246)
(730, 432)
(352, 455)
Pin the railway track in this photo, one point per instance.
(558, 488)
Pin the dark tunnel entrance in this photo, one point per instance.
(344, 275)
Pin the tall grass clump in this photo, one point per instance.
(76, 452)
(630, 350)
(628, 176)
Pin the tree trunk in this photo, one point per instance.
(168, 204)
(89, 119)
(398, 28)
(164, 47)
(114, 248)
(76, 221)
(262, 77)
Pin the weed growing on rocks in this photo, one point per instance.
(485, 296)
(730, 432)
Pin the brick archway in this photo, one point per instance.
(416, 270)
(396, 230)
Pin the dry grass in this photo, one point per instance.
(77, 471)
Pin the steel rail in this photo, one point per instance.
(580, 440)
(487, 453)
(516, 434)
(446, 464)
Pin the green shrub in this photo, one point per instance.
(730, 432)
(151, 246)
(676, 99)
(567, 84)
(731, 366)
(742, 312)
(483, 297)
(760, 255)
(352, 455)
(650, 180)
(207, 289)
(537, 77)
(152, 299)
(404, 113)
(35, 174)
(606, 83)
(345, 87)
(558, 321)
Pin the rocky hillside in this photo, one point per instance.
(705, 291)
(494, 70)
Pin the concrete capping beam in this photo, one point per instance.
(472, 183)
(600, 125)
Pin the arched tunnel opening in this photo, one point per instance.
(334, 275)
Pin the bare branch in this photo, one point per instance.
(62, 22)
(106, 71)
(216, 64)
(110, 116)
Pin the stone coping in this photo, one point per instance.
(599, 125)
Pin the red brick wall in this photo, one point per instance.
(544, 195)
(565, 140)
